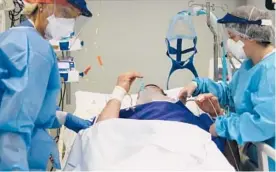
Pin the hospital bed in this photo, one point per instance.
(90, 104)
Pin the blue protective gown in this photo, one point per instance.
(250, 97)
(29, 85)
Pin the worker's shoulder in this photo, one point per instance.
(28, 38)
(269, 62)
(268, 67)
(24, 35)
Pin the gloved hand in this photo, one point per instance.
(57, 108)
(75, 123)
(209, 104)
(187, 92)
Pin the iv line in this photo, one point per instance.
(232, 152)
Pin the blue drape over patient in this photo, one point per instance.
(167, 111)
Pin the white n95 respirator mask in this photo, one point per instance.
(236, 48)
(59, 28)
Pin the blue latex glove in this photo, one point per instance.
(75, 123)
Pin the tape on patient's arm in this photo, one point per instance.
(118, 93)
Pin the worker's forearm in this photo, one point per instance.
(111, 110)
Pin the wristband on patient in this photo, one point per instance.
(118, 93)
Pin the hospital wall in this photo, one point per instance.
(131, 37)
(8, 21)
(261, 5)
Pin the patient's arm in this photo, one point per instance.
(112, 108)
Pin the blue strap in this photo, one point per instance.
(229, 18)
(179, 49)
(173, 51)
(224, 64)
(178, 63)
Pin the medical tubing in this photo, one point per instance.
(226, 140)
(193, 100)
(132, 107)
(61, 103)
(215, 36)
(232, 153)
(64, 91)
(229, 70)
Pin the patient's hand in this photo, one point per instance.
(209, 104)
(125, 80)
(112, 108)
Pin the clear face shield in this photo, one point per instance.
(180, 35)
(233, 43)
(65, 24)
(256, 25)
(62, 21)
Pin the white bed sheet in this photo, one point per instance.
(89, 104)
(123, 144)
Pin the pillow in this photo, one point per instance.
(90, 104)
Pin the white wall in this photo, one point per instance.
(261, 5)
(132, 37)
(8, 22)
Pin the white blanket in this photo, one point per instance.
(89, 104)
(122, 144)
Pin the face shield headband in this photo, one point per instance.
(229, 18)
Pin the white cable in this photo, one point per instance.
(132, 107)
(198, 109)
(232, 152)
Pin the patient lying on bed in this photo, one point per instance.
(166, 136)
(154, 104)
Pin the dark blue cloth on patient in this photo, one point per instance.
(171, 112)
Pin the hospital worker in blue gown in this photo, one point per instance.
(29, 85)
(250, 96)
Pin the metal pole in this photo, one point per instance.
(68, 86)
(216, 45)
(68, 93)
